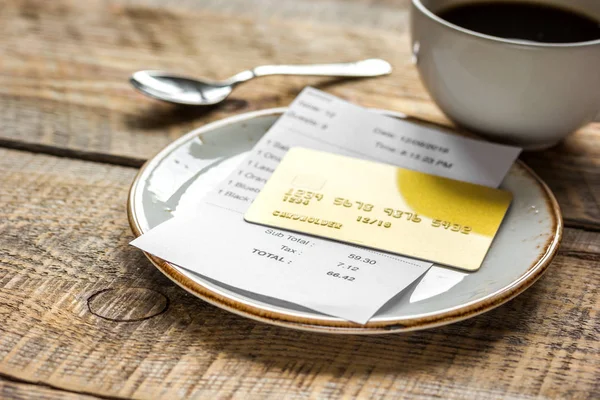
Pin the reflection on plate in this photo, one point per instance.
(171, 182)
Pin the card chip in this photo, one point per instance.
(311, 182)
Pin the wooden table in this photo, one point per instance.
(82, 314)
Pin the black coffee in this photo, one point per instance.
(525, 21)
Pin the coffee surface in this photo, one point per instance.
(524, 21)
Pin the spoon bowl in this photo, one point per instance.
(179, 89)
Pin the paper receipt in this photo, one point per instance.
(210, 237)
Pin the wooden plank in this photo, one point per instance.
(580, 242)
(64, 90)
(66, 64)
(572, 171)
(11, 389)
(84, 312)
(389, 15)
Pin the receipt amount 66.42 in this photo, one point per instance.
(348, 282)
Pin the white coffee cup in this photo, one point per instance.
(526, 93)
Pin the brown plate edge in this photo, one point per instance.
(533, 273)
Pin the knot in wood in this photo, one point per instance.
(127, 304)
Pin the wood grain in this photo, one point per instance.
(63, 245)
(572, 170)
(85, 316)
(12, 389)
(65, 64)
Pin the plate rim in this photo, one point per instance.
(425, 321)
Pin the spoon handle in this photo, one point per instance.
(370, 67)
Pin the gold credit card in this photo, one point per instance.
(382, 207)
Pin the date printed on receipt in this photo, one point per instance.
(381, 207)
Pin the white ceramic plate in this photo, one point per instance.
(171, 182)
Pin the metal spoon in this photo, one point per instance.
(182, 90)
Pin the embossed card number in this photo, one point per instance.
(382, 207)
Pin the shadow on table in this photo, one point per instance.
(463, 343)
(158, 115)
